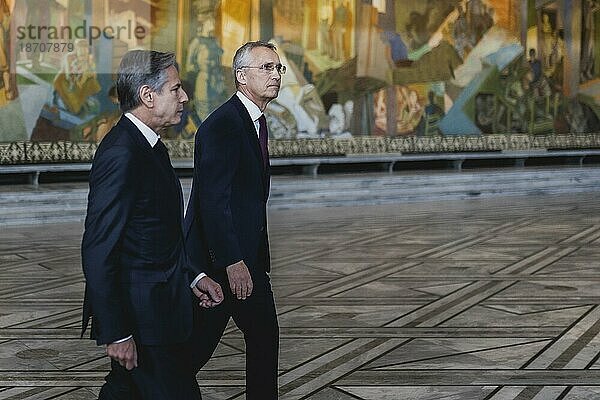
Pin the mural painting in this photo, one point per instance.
(378, 68)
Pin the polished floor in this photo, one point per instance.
(492, 298)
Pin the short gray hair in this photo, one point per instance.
(139, 68)
(242, 55)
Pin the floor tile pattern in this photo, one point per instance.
(481, 299)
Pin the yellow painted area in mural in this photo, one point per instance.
(235, 25)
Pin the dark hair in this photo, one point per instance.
(242, 55)
(139, 68)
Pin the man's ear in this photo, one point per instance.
(147, 96)
(241, 76)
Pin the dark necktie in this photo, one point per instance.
(263, 139)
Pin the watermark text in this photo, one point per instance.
(40, 33)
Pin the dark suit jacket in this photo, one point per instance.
(132, 244)
(226, 219)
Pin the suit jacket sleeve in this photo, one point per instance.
(215, 170)
(110, 201)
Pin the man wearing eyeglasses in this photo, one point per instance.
(226, 220)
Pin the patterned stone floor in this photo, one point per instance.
(481, 299)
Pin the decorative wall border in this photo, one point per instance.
(69, 152)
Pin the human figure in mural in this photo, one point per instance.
(400, 53)
(548, 33)
(535, 66)
(588, 57)
(380, 112)
(537, 94)
(38, 13)
(485, 114)
(190, 120)
(547, 27)
(410, 115)
(476, 9)
(324, 43)
(105, 121)
(432, 109)
(398, 49)
(76, 84)
(480, 18)
(337, 120)
(417, 28)
(204, 65)
(402, 109)
(7, 84)
(408, 111)
(341, 20)
(477, 19)
(554, 71)
(515, 97)
(349, 112)
(460, 32)
(488, 18)
(557, 45)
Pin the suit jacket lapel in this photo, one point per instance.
(161, 167)
(169, 172)
(132, 130)
(251, 131)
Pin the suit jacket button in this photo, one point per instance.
(262, 228)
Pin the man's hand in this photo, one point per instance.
(240, 280)
(125, 353)
(209, 292)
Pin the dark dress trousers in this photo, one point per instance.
(131, 251)
(226, 222)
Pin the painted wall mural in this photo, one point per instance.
(356, 68)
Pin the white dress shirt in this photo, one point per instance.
(252, 108)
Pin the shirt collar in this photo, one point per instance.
(148, 133)
(252, 108)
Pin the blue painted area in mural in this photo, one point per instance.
(456, 121)
(504, 57)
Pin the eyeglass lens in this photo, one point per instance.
(270, 67)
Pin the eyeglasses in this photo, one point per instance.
(269, 67)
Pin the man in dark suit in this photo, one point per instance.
(138, 293)
(226, 220)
